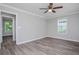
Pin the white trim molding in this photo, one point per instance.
(18, 43)
(0, 29)
(67, 39)
(21, 10)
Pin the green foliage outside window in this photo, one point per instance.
(8, 26)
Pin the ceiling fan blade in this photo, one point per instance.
(53, 11)
(58, 7)
(43, 8)
(46, 11)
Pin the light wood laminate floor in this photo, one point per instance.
(45, 46)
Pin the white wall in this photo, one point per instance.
(72, 33)
(28, 27)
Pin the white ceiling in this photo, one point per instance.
(68, 8)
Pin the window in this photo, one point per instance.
(8, 25)
(62, 25)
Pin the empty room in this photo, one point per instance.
(39, 28)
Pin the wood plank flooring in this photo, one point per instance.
(45, 46)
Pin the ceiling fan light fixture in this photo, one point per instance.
(50, 10)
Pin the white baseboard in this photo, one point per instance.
(64, 39)
(18, 43)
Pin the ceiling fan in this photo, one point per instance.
(51, 8)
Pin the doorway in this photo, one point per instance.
(8, 30)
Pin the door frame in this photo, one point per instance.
(0, 29)
(13, 28)
(14, 23)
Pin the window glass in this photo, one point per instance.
(62, 25)
(8, 25)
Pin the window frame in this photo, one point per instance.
(5, 26)
(62, 20)
(12, 18)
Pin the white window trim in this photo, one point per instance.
(66, 28)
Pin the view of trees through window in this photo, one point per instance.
(8, 25)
